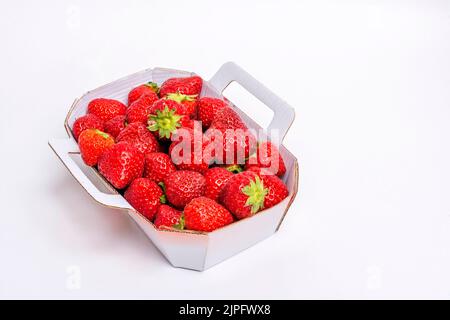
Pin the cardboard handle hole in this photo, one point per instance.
(248, 103)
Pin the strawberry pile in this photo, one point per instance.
(181, 160)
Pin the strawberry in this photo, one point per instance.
(267, 156)
(149, 88)
(188, 101)
(194, 160)
(204, 214)
(247, 193)
(216, 179)
(183, 186)
(138, 111)
(88, 121)
(168, 217)
(121, 164)
(277, 189)
(189, 86)
(145, 196)
(227, 118)
(208, 108)
(106, 109)
(165, 117)
(115, 125)
(139, 136)
(236, 141)
(158, 166)
(92, 143)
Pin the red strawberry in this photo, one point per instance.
(158, 166)
(267, 156)
(165, 117)
(115, 125)
(88, 121)
(168, 217)
(149, 88)
(216, 179)
(139, 110)
(204, 214)
(145, 196)
(237, 142)
(139, 136)
(247, 193)
(227, 118)
(208, 108)
(188, 101)
(194, 160)
(190, 86)
(121, 164)
(92, 144)
(106, 109)
(277, 189)
(183, 186)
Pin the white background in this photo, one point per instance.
(370, 82)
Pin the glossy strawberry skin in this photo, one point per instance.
(233, 147)
(232, 196)
(139, 136)
(206, 215)
(149, 88)
(167, 217)
(139, 110)
(226, 118)
(238, 143)
(183, 186)
(92, 143)
(106, 109)
(267, 156)
(161, 104)
(207, 109)
(194, 161)
(88, 121)
(115, 125)
(158, 166)
(189, 86)
(216, 178)
(121, 164)
(145, 196)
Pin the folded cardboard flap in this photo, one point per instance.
(191, 250)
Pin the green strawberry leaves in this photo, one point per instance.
(256, 194)
(165, 122)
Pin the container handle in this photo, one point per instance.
(63, 148)
(284, 114)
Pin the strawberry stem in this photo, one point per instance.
(256, 194)
(179, 97)
(165, 122)
(235, 168)
(180, 225)
(153, 86)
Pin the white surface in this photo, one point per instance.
(370, 83)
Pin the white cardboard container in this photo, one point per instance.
(187, 249)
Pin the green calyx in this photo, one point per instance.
(102, 134)
(179, 225)
(256, 194)
(153, 86)
(179, 97)
(163, 198)
(235, 168)
(165, 122)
